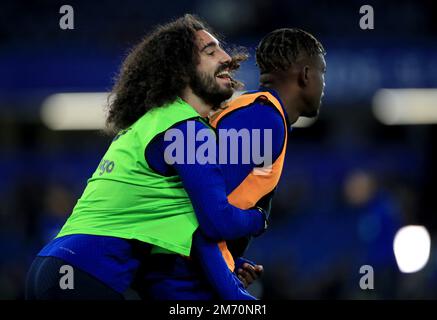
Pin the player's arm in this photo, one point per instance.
(238, 246)
(205, 186)
(224, 282)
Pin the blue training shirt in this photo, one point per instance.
(111, 260)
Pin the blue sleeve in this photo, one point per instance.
(257, 116)
(224, 282)
(239, 261)
(206, 188)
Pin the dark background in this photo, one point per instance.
(349, 182)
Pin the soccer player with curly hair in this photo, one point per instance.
(136, 204)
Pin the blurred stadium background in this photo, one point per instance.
(366, 168)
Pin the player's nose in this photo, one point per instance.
(225, 57)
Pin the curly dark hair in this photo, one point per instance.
(156, 71)
(279, 49)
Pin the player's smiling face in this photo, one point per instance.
(213, 78)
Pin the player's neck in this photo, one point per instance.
(196, 102)
(291, 104)
(288, 98)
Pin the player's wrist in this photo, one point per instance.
(265, 220)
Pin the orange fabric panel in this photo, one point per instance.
(227, 255)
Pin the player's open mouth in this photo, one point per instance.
(224, 75)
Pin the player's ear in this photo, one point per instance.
(303, 76)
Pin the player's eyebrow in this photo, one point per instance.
(208, 45)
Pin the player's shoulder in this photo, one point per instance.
(262, 96)
(191, 124)
(262, 106)
(258, 114)
(251, 101)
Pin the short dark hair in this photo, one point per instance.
(279, 49)
(155, 72)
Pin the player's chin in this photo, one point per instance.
(317, 106)
(226, 88)
(312, 113)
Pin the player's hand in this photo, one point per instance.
(248, 273)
